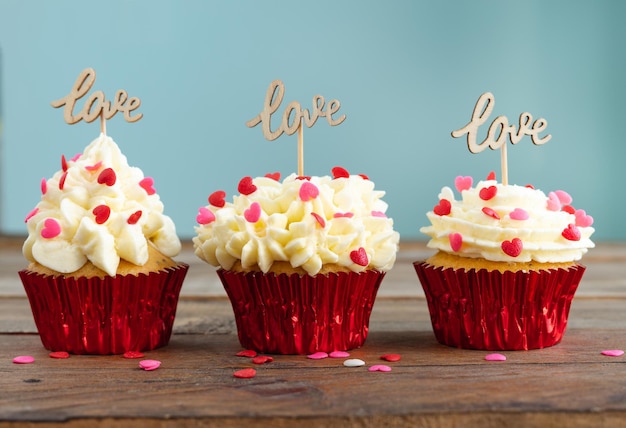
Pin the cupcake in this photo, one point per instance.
(301, 260)
(101, 279)
(506, 267)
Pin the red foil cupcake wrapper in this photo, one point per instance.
(293, 314)
(103, 316)
(499, 311)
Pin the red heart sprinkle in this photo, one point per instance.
(249, 353)
(308, 191)
(205, 216)
(134, 217)
(304, 177)
(391, 357)
(443, 208)
(148, 185)
(530, 186)
(262, 359)
(491, 175)
(364, 177)
(339, 215)
(456, 241)
(513, 247)
(51, 229)
(107, 176)
(273, 175)
(568, 209)
(319, 219)
(63, 163)
(571, 233)
(487, 193)
(133, 354)
(491, 213)
(62, 181)
(59, 355)
(359, 257)
(339, 172)
(245, 373)
(246, 186)
(217, 198)
(253, 213)
(102, 213)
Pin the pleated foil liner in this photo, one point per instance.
(499, 311)
(102, 316)
(293, 314)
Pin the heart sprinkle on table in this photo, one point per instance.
(317, 356)
(245, 373)
(133, 354)
(23, 359)
(390, 357)
(339, 354)
(495, 357)
(379, 368)
(246, 353)
(354, 362)
(149, 365)
(613, 352)
(262, 359)
(59, 355)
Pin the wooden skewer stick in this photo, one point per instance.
(300, 150)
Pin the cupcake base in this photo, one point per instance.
(494, 310)
(101, 316)
(294, 314)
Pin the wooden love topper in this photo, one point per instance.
(499, 130)
(274, 97)
(96, 106)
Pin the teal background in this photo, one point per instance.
(407, 73)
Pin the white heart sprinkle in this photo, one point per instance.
(354, 362)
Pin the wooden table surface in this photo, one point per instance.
(568, 385)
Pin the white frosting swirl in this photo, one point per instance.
(99, 209)
(308, 223)
(517, 224)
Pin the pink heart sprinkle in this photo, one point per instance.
(456, 241)
(391, 357)
(571, 233)
(31, 214)
(491, 213)
(582, 219)
(44, 186)
(317, 356)
(339, 215)
(93, 168)
(495, 357)
(444, 207)
(246, 186)
(319, 219)
(107, 177)
(245, 373)
(23, 359)
(133, 354)
(379, 368)
(308, 191)
(205, 216)
(76, 157)
(51, 228)
(487, 193)
(253, 214)
(463, 183)
(147, 184)
(554, 204)
(217, 198)
(60, 355)
(339, 354)
(262, 359)
(273, 175)
(519, 214)
(149, 365)
(134, 217)
(563, 196)
(359, 257)
(379, 214)
(613, 352)
(339, 172)
(513, 247)
(249, 353)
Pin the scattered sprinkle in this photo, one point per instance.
(23, 359)
(134, 217)
(519, 214)
(149, 365)
(63, 163)
(147, 184)
(379, 368)
(571, 233)
(456, 241)
(613, 352)
(93, 168)
(245, 373)
(582, 219)
(253, 214)
(107, 177)
(102, 213)
(495, 357)
(339, 354)
(62, 180)
(513, 247)
(246, 186)
(339, 172)
(491, 175)
(205, 216)
(354, 362)
(217, 198)
(319, 219)
(61, 355)
(390, 357)
(262, 359)
(347, 215)
(443, 208)
(463, 183)
(487, 193)
(318, 356)
(359, 257)
(51, 228)
(246, 353)
(554, 204)
(44, 186)
(133, 354)
(273, 175)
(31, 214)
(379, 214)
(308, 191)
(491, 212)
